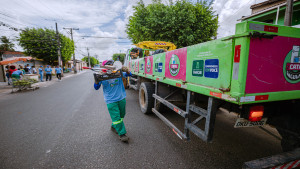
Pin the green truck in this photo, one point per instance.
(255, 73)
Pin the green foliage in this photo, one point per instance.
(184, 23)
(6, 45)
(42, 43)
(116, 55)
(32, 80)
(93, 60)
(24, 82)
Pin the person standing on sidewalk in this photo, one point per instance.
(48, 71)
(33, 70)
(58, 72)
(114, 96)
(29, 69)
(22, 69)
(12, 68)
(41, 72)
(7, 73)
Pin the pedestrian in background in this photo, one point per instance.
(29, 69)
(22, 69)
(41, 72)
(12, 68)
(58, 72)
(16, 75)
(7, 73)
(33, 70)
(48, 71)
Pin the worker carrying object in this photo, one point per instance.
(114, 96)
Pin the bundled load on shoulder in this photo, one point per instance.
(110, 70)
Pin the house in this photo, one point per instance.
(79, 64)
(273, 11)
(8, 54)
(33, 62)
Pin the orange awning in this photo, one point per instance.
(14, 59)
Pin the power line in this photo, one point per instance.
(235, 11)
(6, 15)
(42, 3)
(14, 22)
(7, 30)
(15, 19)
(26, 5)
(100, 37)
(8, 26)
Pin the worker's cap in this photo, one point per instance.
(41, 66)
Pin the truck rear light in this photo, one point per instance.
(256, 113)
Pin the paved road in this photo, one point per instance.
(67, 125)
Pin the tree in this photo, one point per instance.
(184, 23)
(121, 57)
(6, 45)
(93, 60)
(42, 43)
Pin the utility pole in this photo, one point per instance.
(89, 57)
(74, 61)
(58, 48)
(96, 56)
(288, 13)
(2, 71)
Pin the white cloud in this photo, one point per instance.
(229, 12)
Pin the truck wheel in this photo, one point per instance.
(146, 99)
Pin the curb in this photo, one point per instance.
(6, 90)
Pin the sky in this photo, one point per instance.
(101, 23)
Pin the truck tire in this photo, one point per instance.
(146, 99)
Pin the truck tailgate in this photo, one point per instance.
(273, 65)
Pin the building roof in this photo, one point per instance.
(265, 6)
(13, 53)
(265, 3)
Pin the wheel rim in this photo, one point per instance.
(143, 98)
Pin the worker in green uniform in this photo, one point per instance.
(114, 96)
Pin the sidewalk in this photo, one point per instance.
(6, 89)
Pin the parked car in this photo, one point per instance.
(96, 68)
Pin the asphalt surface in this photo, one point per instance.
(67, 125)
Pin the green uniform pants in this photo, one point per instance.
(117, 113)
(15, 76)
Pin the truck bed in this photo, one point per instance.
(260, 63)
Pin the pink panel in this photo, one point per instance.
(178, 70)
(129, 65)
(149, 65)
(265, 65)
